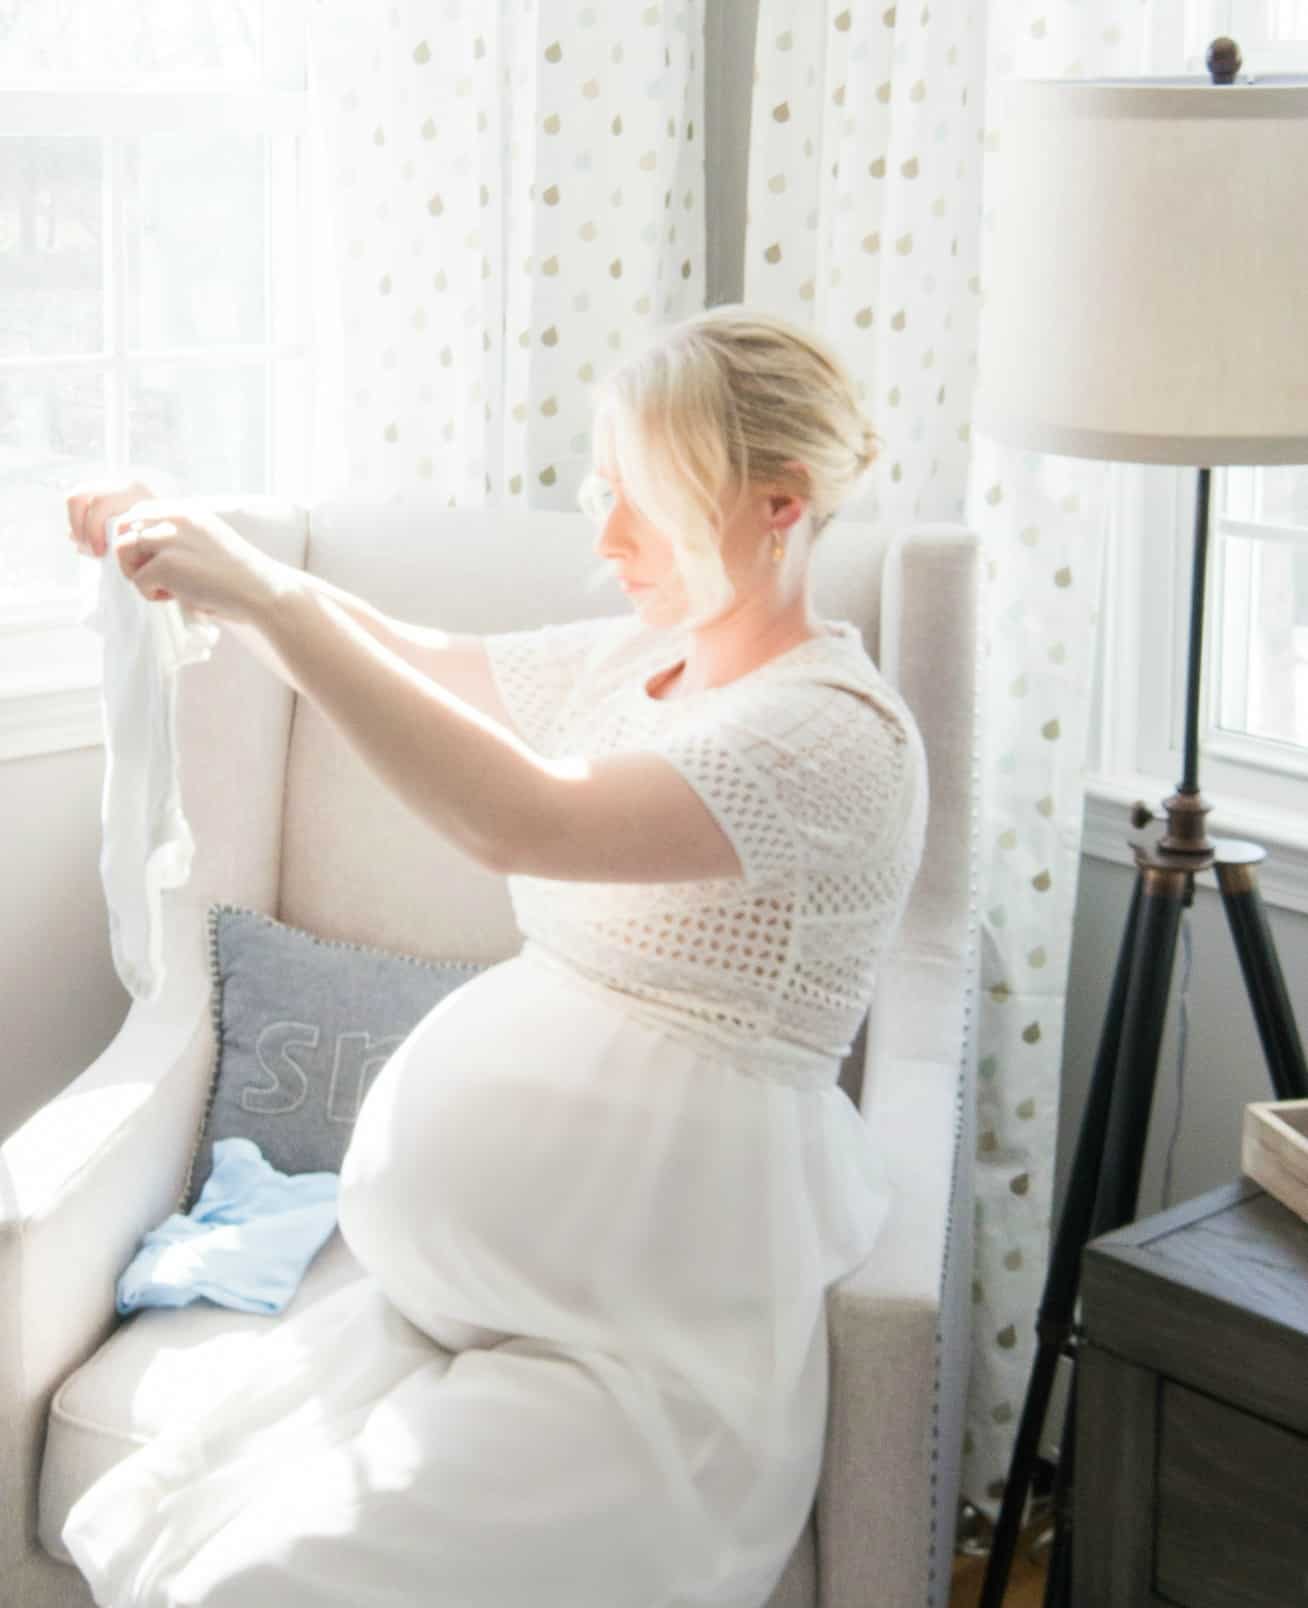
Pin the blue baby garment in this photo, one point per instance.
(246, 1242)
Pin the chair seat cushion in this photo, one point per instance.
(158, 1365)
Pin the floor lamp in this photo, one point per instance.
(1145, 302)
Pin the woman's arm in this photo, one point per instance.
(456, 662)
(468, 776)
(372, 619)
(627, 818)
(378, 625)
(630, 817)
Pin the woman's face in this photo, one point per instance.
(643, 559)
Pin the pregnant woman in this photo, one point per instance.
(600, 1191)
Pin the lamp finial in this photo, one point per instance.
(1223, 60)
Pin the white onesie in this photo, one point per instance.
(147, 845)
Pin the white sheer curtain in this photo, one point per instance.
(508, 194)
(868, 219)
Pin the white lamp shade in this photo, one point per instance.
(1145, 292)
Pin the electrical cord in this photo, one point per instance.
(1182, 1035)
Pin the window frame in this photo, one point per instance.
(50, 666)
(1137, 719)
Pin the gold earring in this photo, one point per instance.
(778, 549)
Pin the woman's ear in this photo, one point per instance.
(788, 506)
(785, 509)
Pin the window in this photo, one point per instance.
(1253, 738)
(152, 294)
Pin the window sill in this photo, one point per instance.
(51, 667)
(37, 717)
(1282, 876)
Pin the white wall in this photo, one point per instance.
(1224, 1065)
(728, 90)
(60, 998)
(61, 1002)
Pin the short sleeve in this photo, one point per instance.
(807, 776)
(537, 672)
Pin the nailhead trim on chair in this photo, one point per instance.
(969, 1030)
(215, 999)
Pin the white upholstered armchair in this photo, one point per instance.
(288, 821)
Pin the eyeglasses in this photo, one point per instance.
(596, 498)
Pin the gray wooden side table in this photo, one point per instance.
(1191, 1475)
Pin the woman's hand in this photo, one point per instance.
(170, 549)
(92, 506)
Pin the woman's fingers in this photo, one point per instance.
(209, 568)
(79, 504)
(141, 540)
(100, 509)
(132, 550)
(89, 513)
(91, 507)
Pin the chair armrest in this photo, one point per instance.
(877, 1511)
(80, 1183)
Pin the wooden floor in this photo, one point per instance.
(1026, 1578)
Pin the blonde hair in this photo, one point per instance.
(728, 399)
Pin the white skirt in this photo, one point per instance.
(587, 1364)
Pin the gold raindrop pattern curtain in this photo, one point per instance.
(868, 220)
(508, 197)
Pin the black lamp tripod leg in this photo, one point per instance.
(1054, 1323)
(1058, 1583)
(1165, 893)
(1108, 1146)
(1264, 981)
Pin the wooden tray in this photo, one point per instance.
(1274, 1150)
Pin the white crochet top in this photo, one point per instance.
(815, 769)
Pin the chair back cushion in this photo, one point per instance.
(233, 725)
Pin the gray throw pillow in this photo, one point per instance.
(303, 1025)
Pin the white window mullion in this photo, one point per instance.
(117, 438)
(174, 357)
(299, 484)
(1272, 768)
(1287, 535)
(124, 113)
(282, 43)
(1161, 527)
(1119, 640)
(27, 363)
(271, 434)
(1214, 637)
(1230, 634)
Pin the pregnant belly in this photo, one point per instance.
(482, 1154)
(536, 1161)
